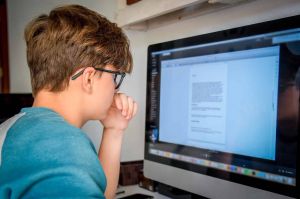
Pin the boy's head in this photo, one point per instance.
(70, 38)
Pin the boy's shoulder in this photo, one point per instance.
(41, 137)
(41, 130)
(41, 145)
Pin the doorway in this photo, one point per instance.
(4, 63)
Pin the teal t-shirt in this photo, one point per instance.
(43, 156)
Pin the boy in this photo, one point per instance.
(77, 61)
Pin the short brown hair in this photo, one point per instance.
(69, 38)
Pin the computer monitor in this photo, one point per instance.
(222, 116)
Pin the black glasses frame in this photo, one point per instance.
(116, 73)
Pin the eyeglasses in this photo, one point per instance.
(118, 76)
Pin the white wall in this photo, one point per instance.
(20, 12)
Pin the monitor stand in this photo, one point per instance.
(176, 193)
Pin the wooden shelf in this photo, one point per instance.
(152, 13)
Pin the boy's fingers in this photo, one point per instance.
(135, 108)
(130, 107)
(118, 102)
(126, 105)
(124, 102)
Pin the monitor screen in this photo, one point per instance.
(225, 105)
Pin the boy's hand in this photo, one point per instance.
(122, 110)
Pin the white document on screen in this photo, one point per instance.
(207, 104)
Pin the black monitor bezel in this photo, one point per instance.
(245, 31)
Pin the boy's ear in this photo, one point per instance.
(88, 78)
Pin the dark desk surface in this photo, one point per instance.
(132, 189)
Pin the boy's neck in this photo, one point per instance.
(65, 104)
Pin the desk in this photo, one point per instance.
(132, 189)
